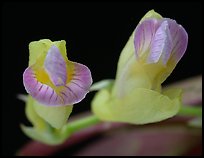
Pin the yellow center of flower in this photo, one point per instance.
(43, 77)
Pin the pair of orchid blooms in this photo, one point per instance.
(55, 84)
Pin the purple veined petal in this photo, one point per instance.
(73, 92)
(161, 45)
(179, 38)
(79, 85)
(144, 34)
(41, 92)
(55, 66)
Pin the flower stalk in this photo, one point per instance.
(190, 111)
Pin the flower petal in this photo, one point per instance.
(48, 136)
(32, 116)
(56, 116)
(73, 92)
(41, 92)
(79, 85)
(151, 14)
(161, 45)
(39, 49)
(180, 40)
(56, 66)
(128, 51)
(144, 34)
(40, 116)
(141, 106)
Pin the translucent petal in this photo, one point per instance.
(56, 66)
(179, 44)
(144, 34)
(161, 45)
(179, 38)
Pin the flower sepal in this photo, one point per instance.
(48, 122)
(141, 106)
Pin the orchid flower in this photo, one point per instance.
(150, 55)
(53, 80)
(54, 84)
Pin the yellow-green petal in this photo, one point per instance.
(55, 116)
(32, 116)
(127, 53)
(151, 14)
(141, 106)
(47, 136)
(39, 49)
(133, 76)
(45, 130)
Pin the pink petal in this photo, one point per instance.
(161, 45)
(144, 34)
(56, 66)
(79, 85)
(179, 38)
(71, 93)
(41, 92)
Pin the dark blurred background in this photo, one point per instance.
(95, 33)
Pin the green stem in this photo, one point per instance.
(91, 120)
(88, 121)
(190, 111)
(82, 123)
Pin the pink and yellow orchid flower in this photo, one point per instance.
(51, 78)
(149, 57)
(54, 84)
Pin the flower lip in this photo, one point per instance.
(62, 91)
